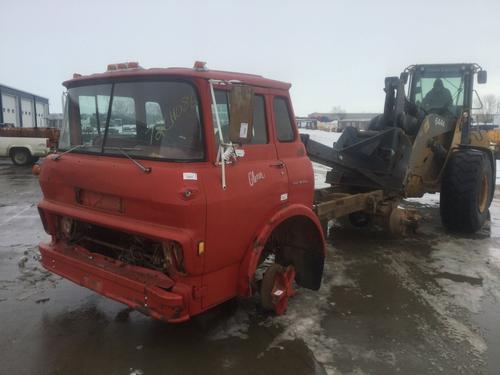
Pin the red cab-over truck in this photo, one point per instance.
(174, 190)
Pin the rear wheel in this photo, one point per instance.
(20, 156)
(466, 191)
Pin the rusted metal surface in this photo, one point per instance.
(335, 205)
(397, 220)
(429, 153)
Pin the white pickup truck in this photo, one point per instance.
(24, 150)
(25, 145)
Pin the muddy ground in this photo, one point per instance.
(426, 304)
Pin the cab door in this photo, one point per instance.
(291, 152)
(256, 183)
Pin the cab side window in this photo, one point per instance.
(283, 123)
(259, 136)
(221, 98)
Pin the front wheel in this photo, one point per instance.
(20, 156)
(277, 288)
(466, 191)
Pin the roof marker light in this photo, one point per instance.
(124, 66)
(200, 66)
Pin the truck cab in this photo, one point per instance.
(171, 187)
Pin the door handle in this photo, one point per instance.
(278, 164)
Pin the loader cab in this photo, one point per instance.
(443, 89)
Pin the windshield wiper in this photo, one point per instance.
(122, 150)
(57, 157)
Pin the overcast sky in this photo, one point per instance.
(335, 53)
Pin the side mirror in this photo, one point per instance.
(418, 90)
(404, 77)
(482, 77)
(241, 113)
(391, 83)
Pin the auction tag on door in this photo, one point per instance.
(243, 130)
(190, 176)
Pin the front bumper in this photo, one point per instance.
(148, 291)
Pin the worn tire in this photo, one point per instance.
(20, 156)
(466, 191)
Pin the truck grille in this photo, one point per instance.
(126, 247)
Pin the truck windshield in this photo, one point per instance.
(152, 120)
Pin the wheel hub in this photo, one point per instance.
(283, 289)
(483, 196)
(20, 157)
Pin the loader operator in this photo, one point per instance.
(438, 99)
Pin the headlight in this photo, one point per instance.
(66, 226)
(174, 256)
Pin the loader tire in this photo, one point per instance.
(466, 191)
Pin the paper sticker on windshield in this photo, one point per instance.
(190, 176)
(243, 130)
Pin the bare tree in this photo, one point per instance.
(339, 111)
(491, 105)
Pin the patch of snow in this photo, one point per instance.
(320, 170)
(468, 296)
(428, 200)
(304, 316)
(494, 256)
(467, 258)
(236, 326)
(448, 257)
(326, 138)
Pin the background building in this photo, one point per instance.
(22, 109)
(55, 120)
(344, 119)
(306, 123)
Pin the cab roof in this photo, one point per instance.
(465, 66)
(138, 72)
